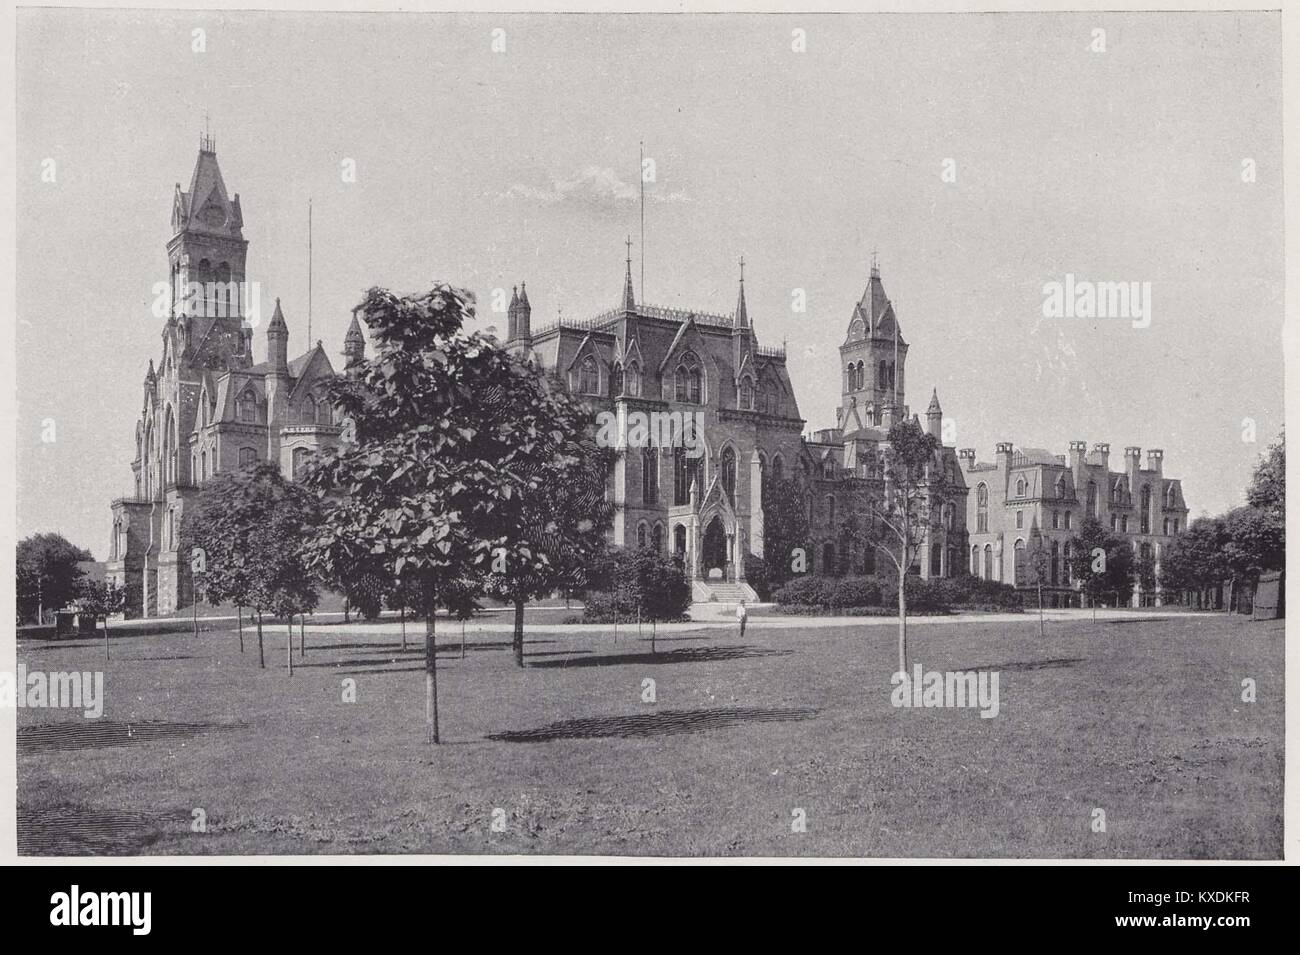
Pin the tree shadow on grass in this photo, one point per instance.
(660, 723)
(415, 644)
(95, 734)
(1025, 665)
(79, 830)
(680, 655)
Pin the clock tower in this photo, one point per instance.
(207, 249)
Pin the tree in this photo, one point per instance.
(447, 432)
(563, 516)
(100, 599)
(1196, 560)
(1267, 490)
(1100, 561)
(47, 572)
(244, 540)
(785, 529)
(905, 514)
(1037, 567)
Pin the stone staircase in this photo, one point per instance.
(722, 591)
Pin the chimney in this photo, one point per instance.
(967, 458)
(1156, 461)
(1132, 464)
(1102, 450)
(1003, 454)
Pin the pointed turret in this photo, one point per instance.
(277, 341)
(354, 344)
(524, 327)
(629, 300)
(742, 313)
(934, 416)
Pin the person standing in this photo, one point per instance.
(741, 615)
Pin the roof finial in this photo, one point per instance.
(629, 300)
(206, 142)
(742, 268)
(875, 271)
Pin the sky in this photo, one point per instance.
(489, 167)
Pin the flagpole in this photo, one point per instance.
(309, 272)
(641, 176)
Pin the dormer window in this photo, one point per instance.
(589, 377)
(746, 399)
(246, 407)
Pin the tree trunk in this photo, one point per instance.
(902, 623)
(194, 608)
(347, 610)
(261, 653)
(105, 639)
(240, 611)
(519, 631)
(1040, 608)
(401, 611)
(431, 677)
(302, 636)
(462, 639)
(288, 645)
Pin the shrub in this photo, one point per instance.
(638, 581)
(855, 592)
(808, 591)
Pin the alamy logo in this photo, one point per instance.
(1079, 298)
(210, 300)
(658, 429)
(58, 690)
(952, 689)
(102, 908)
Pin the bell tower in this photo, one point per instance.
(207, 250)
(871, 360)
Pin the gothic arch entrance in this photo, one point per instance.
(714, 553)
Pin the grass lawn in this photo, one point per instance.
(1140, 718)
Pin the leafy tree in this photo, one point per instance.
(1256, 543)
(1267, 490)
(785, 528)
(449, 432)
(244, 539)
(1196, 559)
(907, 510)
(1101, 561)
(47, 572)
(562, 515)
(101, 600)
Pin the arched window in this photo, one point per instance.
(203, 466)
(642, 537)
(946, 515)
(882, 379)
(616, 381)
(1060, 486)
(828, 469)
(689, 379)
(1020, 488)
(246, 407)
(746, 395)
(936, 560)
(324, 413)
(649, 476)
(686, 471)
(982, 509)
(1146, 509)
(830, 509)
(778, 469)
(247, 456)
(862, 376)
(308, 412)
(1067, 573)
(1092, 499)
(658, 538)
(1017, 568)
(632, 380)
(988, 561)
(728, 473)
(679, 540)
(300, 459)
(975, 560)
(171, 528)
(589, 377)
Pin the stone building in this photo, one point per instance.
(699, 499)
(209, 407)
(1034, 491)
(842, 465)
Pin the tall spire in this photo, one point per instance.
(629, 300)
(742, 313)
